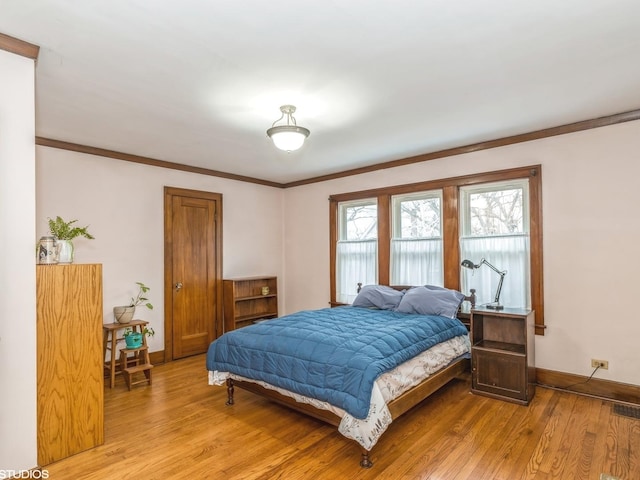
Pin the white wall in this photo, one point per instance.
(122, 203)
(591, 232)
(18, 448)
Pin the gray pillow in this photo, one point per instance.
(431, 301)
(378, 296)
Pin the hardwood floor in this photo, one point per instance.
(180, 428)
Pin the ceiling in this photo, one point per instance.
(198, 82)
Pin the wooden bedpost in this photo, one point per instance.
(229, 391)
(472, 298)
(366, 462)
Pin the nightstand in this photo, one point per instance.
(503, 354)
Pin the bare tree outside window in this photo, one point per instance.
(497, 212)
(361, 222)
(420, 218)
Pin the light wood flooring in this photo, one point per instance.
(179, 428)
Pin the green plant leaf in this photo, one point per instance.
(65, 231)
(140, 299)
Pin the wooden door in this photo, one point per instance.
(193, 271)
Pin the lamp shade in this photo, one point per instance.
(288, 137)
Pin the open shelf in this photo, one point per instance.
(249, 299)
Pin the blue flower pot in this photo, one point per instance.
(133, 340)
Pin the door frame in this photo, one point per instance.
(169, 193)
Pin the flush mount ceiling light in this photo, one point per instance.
(288, 137)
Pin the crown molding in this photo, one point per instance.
(474, 147)
(101, 152)
(629, 116)
(19, 47)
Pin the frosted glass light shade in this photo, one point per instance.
(288, 137)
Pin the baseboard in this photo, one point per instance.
(614, 391)
(156, 358)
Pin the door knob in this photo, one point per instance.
(178, 286)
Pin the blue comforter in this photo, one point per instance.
(333, 354)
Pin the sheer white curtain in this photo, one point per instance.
(416, 261)
(505, 252)
(356, 262)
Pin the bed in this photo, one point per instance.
(356, 367)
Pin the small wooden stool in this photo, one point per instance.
(139, 362)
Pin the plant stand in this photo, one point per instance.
(111, 339)
(138, 363)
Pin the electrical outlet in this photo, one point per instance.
(603, 364)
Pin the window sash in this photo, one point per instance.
(465, 199)
(344, 221)
(415, 260)
(398, 200)
(507, 252)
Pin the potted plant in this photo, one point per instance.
(133, 339)
(64, 233)
(124, 314)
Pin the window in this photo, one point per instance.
(419, 234)
(416, 243)
(494, 225)
(357, 247)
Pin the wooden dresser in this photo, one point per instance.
(70, 398)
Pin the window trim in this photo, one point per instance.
(450, 227)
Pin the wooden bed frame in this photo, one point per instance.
(397, 407)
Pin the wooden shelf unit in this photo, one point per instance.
(244, 302)
(502, 354)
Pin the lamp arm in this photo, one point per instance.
(502, 273)
(491, 266)
(497, 299)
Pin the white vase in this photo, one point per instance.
(123, 314)
(65, 251)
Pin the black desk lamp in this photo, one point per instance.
(496, 302)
